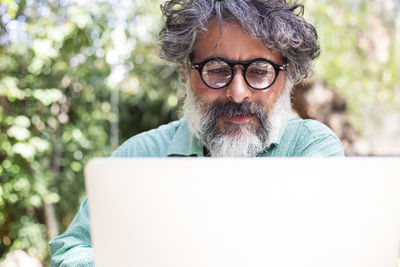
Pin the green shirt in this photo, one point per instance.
(301, 138)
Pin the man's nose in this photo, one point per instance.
(238, 91)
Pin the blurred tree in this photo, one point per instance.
(50, 82)
(360, 57)
(65, 71)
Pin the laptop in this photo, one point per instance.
(280, 212)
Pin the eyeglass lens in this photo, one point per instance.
(217, 74)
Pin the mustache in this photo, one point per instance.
(230, 109)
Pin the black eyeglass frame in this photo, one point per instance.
(232, 63)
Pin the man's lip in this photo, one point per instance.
(239, 119)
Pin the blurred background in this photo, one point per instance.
(77, 78)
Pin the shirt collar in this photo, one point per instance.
(184, 143)
(276, 139)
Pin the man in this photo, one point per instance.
(239, 61)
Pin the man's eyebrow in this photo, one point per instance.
(221, 58)
(239, 61)
(209, 58)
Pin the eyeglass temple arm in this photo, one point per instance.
(196, 66)
(283, 67)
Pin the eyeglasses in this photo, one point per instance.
(259, 73)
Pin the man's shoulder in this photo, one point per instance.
(306, 137)
(308, 127)
(152, 143)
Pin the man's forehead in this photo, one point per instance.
(228, 40)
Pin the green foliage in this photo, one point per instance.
(11, 7)
(359, 57)
(57, 109)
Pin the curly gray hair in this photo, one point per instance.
(273, 23)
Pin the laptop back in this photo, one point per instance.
(174, 212)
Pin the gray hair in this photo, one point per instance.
(273, 23)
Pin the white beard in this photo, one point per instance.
(247, 143)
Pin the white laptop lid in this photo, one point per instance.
(191, 212)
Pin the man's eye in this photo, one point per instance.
(218, 71)
(258, 71)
